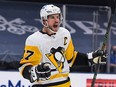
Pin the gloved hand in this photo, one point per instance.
(40, 72)
(98, 54)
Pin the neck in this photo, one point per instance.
(47, 31)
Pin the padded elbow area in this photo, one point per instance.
(26, 73)
(81, 59)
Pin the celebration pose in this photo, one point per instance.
(49, 53)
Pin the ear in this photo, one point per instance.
(45, 22)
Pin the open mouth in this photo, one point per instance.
(55, 26)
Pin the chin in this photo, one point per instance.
(55, 29)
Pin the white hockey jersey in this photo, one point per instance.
(56, 49)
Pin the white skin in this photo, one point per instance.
(53, 23)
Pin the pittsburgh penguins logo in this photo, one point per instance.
(56, 56)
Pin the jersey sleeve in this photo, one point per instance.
(74, 57)
(32, 55)
(70, 53)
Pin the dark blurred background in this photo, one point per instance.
(74, 2)
(85, 19)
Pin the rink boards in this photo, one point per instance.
(14, 79)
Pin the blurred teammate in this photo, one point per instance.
(113, 59)
(49, 53)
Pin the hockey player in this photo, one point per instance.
(49, 53)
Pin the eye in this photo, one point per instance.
(58, 17)
(50, 17)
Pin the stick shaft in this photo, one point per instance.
(102, 48)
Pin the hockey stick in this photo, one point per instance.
(112, 4)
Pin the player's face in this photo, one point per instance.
(54, 22)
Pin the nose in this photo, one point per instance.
(56, 19)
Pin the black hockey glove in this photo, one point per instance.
(98, 54)
(40, 72)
